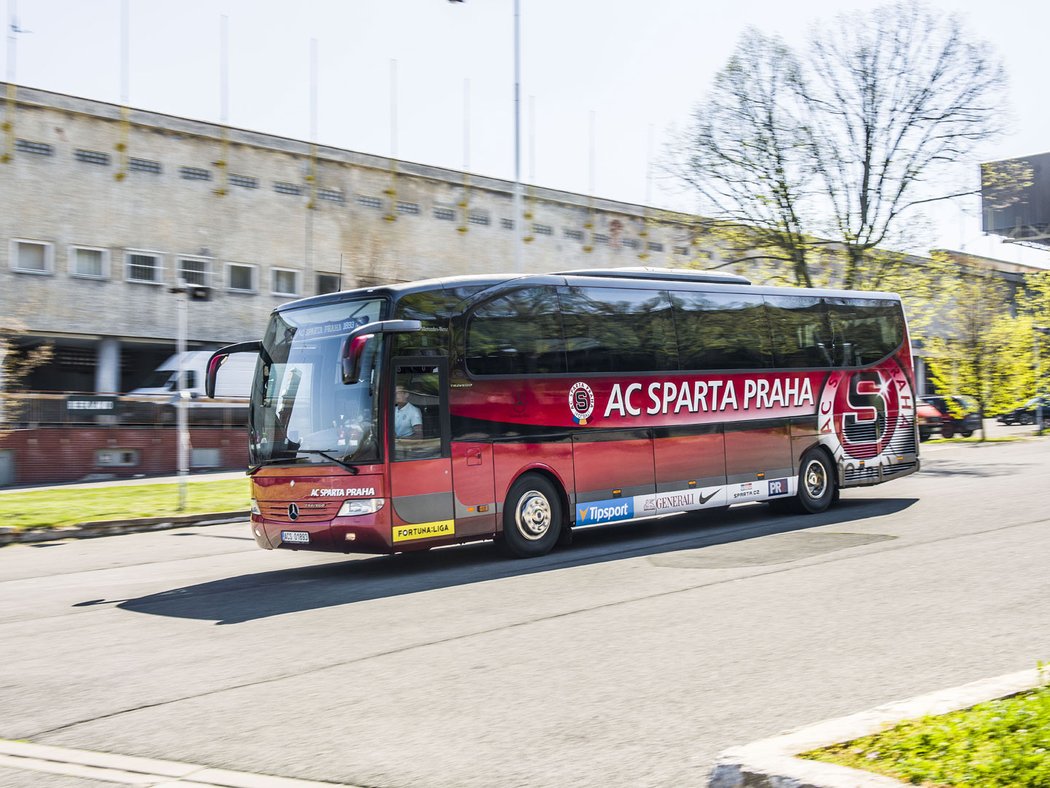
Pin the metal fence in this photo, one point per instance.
(30, 410)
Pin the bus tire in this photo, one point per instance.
(532, 517)
(816, 482)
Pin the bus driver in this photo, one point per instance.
(408, 421)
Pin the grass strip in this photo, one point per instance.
(57, 507)
(1000, 743)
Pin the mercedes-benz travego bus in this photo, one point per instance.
(519, 407)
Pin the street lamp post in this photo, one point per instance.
(518, 211)
(185, 292)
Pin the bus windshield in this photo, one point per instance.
(300, 408)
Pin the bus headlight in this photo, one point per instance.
(360, 506)
(255, 507)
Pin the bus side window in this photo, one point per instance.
(416, 417)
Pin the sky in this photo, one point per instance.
(604, 83)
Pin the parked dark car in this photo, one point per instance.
(1026, 414)
(959, 415)
(929, 419)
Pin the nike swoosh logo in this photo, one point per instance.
(705, 498)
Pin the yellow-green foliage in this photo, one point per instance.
(993, 745)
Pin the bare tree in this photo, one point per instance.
(840, 146)
(893, 97)
(746, 155)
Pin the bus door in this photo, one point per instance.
(419, 451)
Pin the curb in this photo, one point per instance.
(116, 527)
(771, 763)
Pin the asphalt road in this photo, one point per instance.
(631, 658)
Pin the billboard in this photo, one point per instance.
(1015, 198)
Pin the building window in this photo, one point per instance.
(683, 250)
(629, 243)
(116, 458)
(144, 165)
(92, 157)
(194, 271)
(194, 174)
(410, 208)
(240, 277)
(369, 202)
(444, 214)
(327, 283)
(285, 282)
(244, 181)
(89, 262)
(282, 187)
(332, 195)
(506, 224)
(145, 267)
(601, 238)
(477, 217)
(32, 257)
(655, 246)
(573, 235)
(542, 229)
(39, 148)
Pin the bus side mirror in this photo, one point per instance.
(353, 351)
(354, 344)
(218, 358)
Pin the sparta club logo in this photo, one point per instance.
(581, 403)
(864, 409)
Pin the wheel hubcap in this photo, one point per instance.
(816, 479)
(533, 515)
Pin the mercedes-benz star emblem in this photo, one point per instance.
(293, 511)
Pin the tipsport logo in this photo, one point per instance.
(604, 511)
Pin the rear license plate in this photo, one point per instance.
(295, 536)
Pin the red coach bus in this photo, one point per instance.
(517, 408)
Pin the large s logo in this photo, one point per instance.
(865, 408)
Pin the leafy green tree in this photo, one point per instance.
(15, 365)
(977, 348)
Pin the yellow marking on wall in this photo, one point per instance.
(434, 530)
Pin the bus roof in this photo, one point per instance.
(644, 276)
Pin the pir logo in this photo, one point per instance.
(864, 410)
(581, 403)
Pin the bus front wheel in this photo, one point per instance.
(816, 482)
(532, 517)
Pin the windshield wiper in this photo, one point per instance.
(273, 461)
(278, 460)
(352, 468)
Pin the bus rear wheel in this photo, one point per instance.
(816, 482)
(532, 517)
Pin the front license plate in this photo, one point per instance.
(295, 536)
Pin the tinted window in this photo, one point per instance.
(865, 330)
(518, 333)
(722, 331)
(433, 308)
(618, 330)
(802, 335)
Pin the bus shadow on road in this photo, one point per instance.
(363, 578)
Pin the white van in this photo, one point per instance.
(235, 381)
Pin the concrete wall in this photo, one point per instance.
(239, 215)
